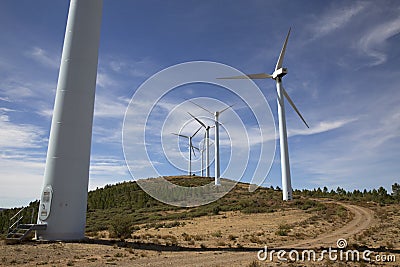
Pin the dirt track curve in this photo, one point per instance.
(362, 219)
(83, 254)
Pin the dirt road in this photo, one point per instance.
(81, 254)
(363, 218)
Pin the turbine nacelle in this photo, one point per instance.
(279, 73)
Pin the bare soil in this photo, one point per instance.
(228, 239)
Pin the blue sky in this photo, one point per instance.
(342, 56)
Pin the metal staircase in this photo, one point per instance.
(18, 231)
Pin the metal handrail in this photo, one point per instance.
(15, 220)
(15, 223)
(12, 218)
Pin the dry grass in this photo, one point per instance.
(207, 234)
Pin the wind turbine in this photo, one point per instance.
(277, 75)
(216, 146)
(191, 148)
(207, 145)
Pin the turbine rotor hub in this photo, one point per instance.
(279, 73)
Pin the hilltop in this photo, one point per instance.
(129, 203)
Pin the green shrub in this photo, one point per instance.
(217, 234)
(121, 227)
(232, 237)
(283, 230)
(216, 210)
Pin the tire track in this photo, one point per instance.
(363, 218)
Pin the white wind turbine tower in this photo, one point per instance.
(207, 145)
(191, 148)
(277, 76)
(203, 148)
(63, 201)
(216, 146)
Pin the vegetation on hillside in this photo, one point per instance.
(125, 206)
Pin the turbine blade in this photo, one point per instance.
(249, 76)
(181, 135)
(282, 54)
(226, 108)
(191, 147)
(199, 121)
(294, 106)
(201, 107)
(197, 131)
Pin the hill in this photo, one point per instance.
(127, 227)
(129, 203)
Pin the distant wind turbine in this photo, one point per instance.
(207, 145)
(277, 76)
(191, 148)
(216, 146)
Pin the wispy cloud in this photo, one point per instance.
(141, 68)
(17, 89)
(323, 126)
(19, 135)
(43, 57)
(108, 166)
(110, 106)
(21, 180)
(336, 18)
(21, 163)
(5, 99)
(46, 112)
(372, 43)
(104, 80)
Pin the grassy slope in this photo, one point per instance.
(129, 203)
(126, 201)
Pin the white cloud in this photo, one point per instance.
(6, 110)
(21, 180)
(107, 135)
(20, 135)
(18, 89)
(5, 99)
(110, 106)
(111, 167)
(323, 126)
(41, 56)
(46, 112)
(336, 18)
(104, 80)
(141, 68)
(372, 43)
